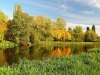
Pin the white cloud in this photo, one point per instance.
(86, 12)
(63, 6)
(93, 3)
(73, 25)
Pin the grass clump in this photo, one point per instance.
(94, 50)
(82, 64)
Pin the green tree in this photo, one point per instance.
(26, 27)
(78, 29)
(21, 26)
(44, 28)
(78, 34)
(70, 30)
(81, 37)
(87, 28)
(61, 24)
(91, 36)
(9, 34)
(93, 28)
(17, 22)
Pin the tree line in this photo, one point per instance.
(25, 29)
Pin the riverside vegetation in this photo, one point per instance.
(82, 64)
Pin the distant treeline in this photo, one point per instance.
(25, 29)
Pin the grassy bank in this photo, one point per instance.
(82, 64)
(7, 44)
(58, 43)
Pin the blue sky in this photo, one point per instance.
(76, 12)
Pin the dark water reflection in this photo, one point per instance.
(10, 56)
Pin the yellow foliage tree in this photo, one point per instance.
(67, 36)
(61, 35)
(3, 28)
(3, 17)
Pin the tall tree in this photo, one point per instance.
(17, 22)
(21, 25)
(87, 28)
(61, 24)
(93, 28)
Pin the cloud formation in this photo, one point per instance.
(87, 12)
(93, 3)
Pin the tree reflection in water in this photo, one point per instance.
(60, 51)
(12, 55)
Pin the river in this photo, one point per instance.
(13, 55)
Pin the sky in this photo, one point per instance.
(75, 12)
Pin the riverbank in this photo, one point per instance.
(59, 43)
(8, 44)
(82, 64)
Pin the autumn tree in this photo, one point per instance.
(3, 29)
(61, 24)
(67, 36)
(3, 26)
(59, 35)
(3, 17)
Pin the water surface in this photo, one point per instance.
(12, 55)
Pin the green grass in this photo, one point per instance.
(94, 50)
(82, 64)
(59, 43)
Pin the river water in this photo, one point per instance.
(12, 55)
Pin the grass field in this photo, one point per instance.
(82, 64)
